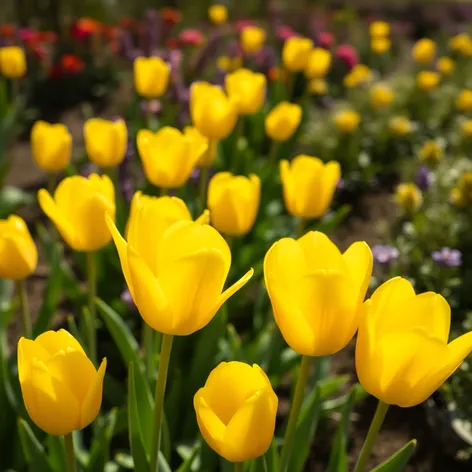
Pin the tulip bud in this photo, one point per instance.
(427, 80)
(252, 39)
(12, 62)
(296, 52)
(395, 316)
(61, 388)
(316, 292)
(106, 141)
(409, 196)
(247, 89)
(151, 76)
(424, 51)
(318, 63)
(432, 152)
(283, 120)
(461, 44)
(218, 14)
(347, 121)
(240, 424)
(379, 29)
(380, 45)
(464, 101)
(400, 125)
(309, 185)
(446, 65)
(51, 146)
(359, 75)
(18, 253)
(381, 96)
(78, 210)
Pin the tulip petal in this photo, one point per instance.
(359, 260)
(93, 399)
(210, 425)
(330, 176)
(28, 350)
(55, 341)
(204, 218)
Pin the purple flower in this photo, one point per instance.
(424, 178)
(128, 299)
(447, 257)
(385, 255)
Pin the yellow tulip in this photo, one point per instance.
(12, 62)
(347, 121)
(462, 194)
(400, 125)
(151, 76)
(381, 96)
(233, 202)
(408, 196)
(283, 120)
(61, 388)
(318, 86)
(427, 80)
(464, 100)
(402, 350)
(18, 253)
(169, 156)
(379, 29)
(316, 292)
(424, 51)
(218, 14)
(106, 141)
(446, 65)
(190, 258)
(462, 44)
(239, 424)
(456, 198)
(318, 63)
(431, 152)
(51, 146)
(295, 53)
(380, 45)
(247, 89)
(466, 127)
(252, 39)
(309, 185)
(208, 157)
(213, 113)
(78, 210)
(359, 74)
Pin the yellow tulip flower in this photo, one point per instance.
(106, 141)
(402, 350)
(12, 62)
(427, 80)
(462, 44)
(400, 125)
(78, 210)
(381, 96)
(408, 196)
(18, 253)
(296, 52)
(247, 89)
(446, 65)
(431, 152)
(218, 14)
(61, 388)
(208, 157)
(466, 127)
(190, 257)
(380, 45)
(233, 202)
(347, 121)
(318, 63)
(169, 156)
(424, 51)
(283, 120)
(379, 29)
(240, 424)
(252, 39)
(359, 75)
(51, 146)
(464, 100)
(151, 76)
(318, 87)
(316, 292)
(213, 113)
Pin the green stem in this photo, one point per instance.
(372, 434)
(148, 349)
(164, 359)
(70, 456)
(274, 147)
(295, 412)
(301, 227)
(52, 183)
(92, 292)
(204, 171)
(239, 467)
(25, 314)
(265, 467)
(290, 82)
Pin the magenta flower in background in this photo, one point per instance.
(325, 39)
(447, 257)
(241, 24)
(191, 37)
(347, 54)
(284, 32)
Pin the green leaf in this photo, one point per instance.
(397, 461)
(11, 198)
(56, 453)
(186, 466)
(332, 220)
(33, 450)
(100, 449)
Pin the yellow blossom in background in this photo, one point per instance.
(151, 76)
(427, 80)
(252, 39)
(400, 125)
(240, 424)
(457, 198)
(431, 152)
(318, 87)
(461, 44)
(18, 253)
(380, 45)
(316, 292)
(168, 155)
(381, 96)
(78, 210)
(424, 51)
(408, 196)
(296, 52)
(247, 89)
(233, 201)
(446, 65)
(218, 14)
(12, 62)
(106, 141)
(283, 120)
(318, 63)
(199, 140)
(462, 194)
(228, 64)
(379, 29)
(466, 127)
(395, 316)
(308, 185)
(213, 113)
(51, 146)
(464, 100)
(347, 121)
(61, 388)
(358, 75)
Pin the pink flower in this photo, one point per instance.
(325, 39)
(191, 37)
(284, 32)
(241, 24)
(347, 54)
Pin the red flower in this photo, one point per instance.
(284, 32)
(84, 27)
(325, 39)
(71, 64)
(241, 24)
(47, 36)
(348, 55)
(191, 37)
(172, 43)
(171, 16)
(7, 31)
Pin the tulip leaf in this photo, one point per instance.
(186, 466)
(33, 450)
(100, 449)
(332, 220)
(397, 461)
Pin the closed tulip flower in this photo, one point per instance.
(359, 75)
(218, 14)
(316, 292)
(424, 51)
(51, 146)
(252, 39)
(247, 89)
(380, 45)
(446, 65)
(209, 156)
(309, 185)
(106, 141)
(427, 80)
(190, 257)
(240, 424)
(12, 62)
(466, 127)
(432, 152)
(400, 125)
(379, 29)
(18, 253)
(296, 52)
(318, 63)
(213, 113)
(408, 196)
(461, 44)
(78, 210)
(61, 388)
(151, 76)
(283, 120)
(233, 202)
(169, 156)
(347, 121)
(396, 317)
(381, 96)
(318, 86)
(464, 100)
